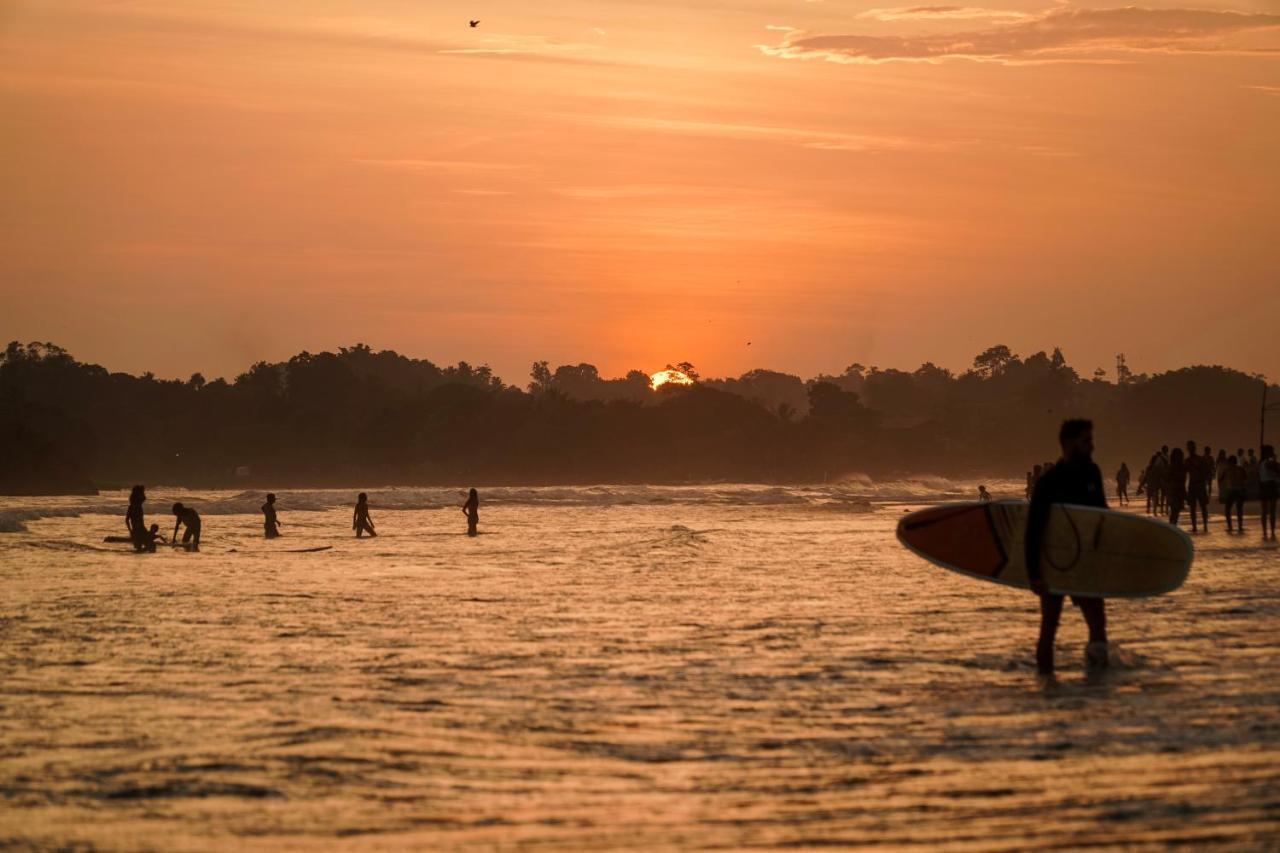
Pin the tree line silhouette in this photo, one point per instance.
(360, 416)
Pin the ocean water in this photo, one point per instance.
(610, 667)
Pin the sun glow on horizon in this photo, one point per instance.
(673, 377)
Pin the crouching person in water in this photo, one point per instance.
(1075, 479)
(191, 519)
(361, 522)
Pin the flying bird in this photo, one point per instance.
(474, 23)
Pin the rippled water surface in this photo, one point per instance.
(630, 667)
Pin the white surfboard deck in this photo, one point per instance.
(1087, 551)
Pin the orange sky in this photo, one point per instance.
(198, 185)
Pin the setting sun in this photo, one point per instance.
(675, 377)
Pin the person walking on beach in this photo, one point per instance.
(133, 520)
(1176, 484)
(471, 509)
(270, 524)
(1122, 484)
(1231, 486)
(191, 519)
(1268, 489)
(361, 522)
(1197, 486)
(1075, 479)
(1210, 468)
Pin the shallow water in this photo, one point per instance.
(617, 667)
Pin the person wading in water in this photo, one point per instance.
(361, 522)
(471, 509)
(270, 524)
(1075, 479)
(133, 520)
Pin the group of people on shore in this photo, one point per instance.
(144, 538)
(1176, 480)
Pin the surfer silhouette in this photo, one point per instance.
(191, 519)
(983, 495)
(471, 509)
(1075, 479)
(361, 522)
(1122, 484)
(270, 524)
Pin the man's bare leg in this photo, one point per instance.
(1050, 614)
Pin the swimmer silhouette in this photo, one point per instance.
(361, 522)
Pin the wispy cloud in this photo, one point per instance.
(942, 13)
(416, 165)
(1062, 34)
(818, 139)
(1266, 90)
(348, 33)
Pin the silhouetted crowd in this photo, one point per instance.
(1177, 480)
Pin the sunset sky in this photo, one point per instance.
(197, 185)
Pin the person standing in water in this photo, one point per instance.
(1075, 479)
(361, 522)
(983, 495)
(189, 517)
(471, 509)
(1197, 487)
(133, 520)
(1176, 485)
(1122, 484)
(270, 524)
(1231, 486)
(1268, 488)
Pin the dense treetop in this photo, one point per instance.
(359, 416)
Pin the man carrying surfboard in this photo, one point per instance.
(1075, 479)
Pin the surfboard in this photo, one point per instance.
(1087, 551)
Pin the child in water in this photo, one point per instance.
(471, 509)
(148, 539)
(361, 522)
